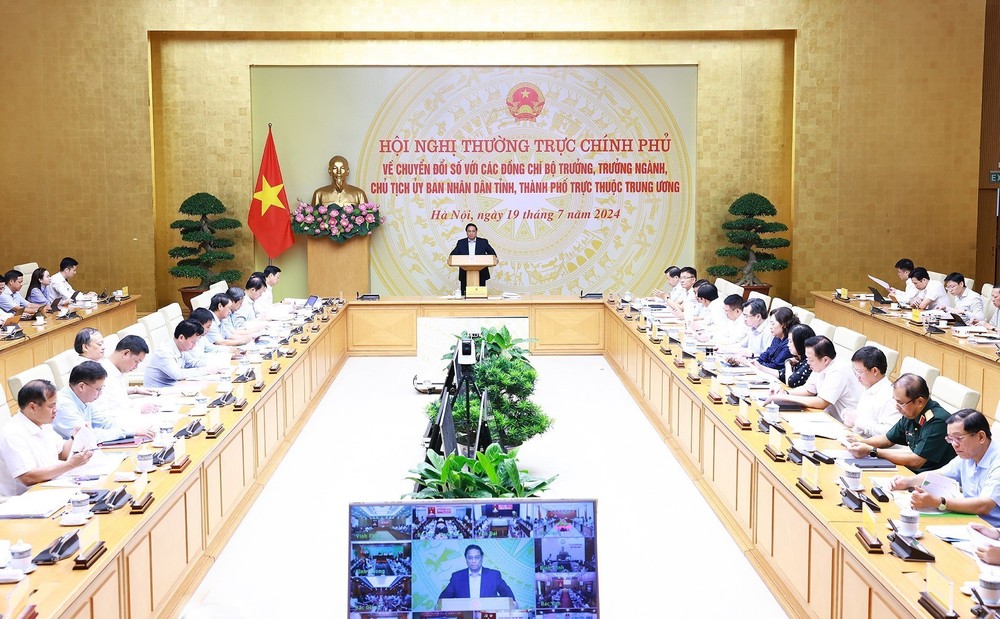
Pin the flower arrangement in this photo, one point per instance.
(335, 221)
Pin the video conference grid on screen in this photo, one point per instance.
(473, 560)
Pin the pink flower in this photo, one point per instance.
(321, 209)
(374, 207)
(343, 222)
(310, 219)
(299, 218)
(348, 209)
(349, 227)
(382, 221)
(324, 225)
(370, 218)
(334, 213)
(359, 220)
(363, 208)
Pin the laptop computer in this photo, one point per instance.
(878, 296)
(311, 301)
(959, 321)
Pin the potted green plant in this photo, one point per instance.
(508, 378)
(749, 245)
(197, 261)
(492, 474)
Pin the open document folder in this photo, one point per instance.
(36, 504)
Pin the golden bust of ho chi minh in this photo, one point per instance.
(339, 192)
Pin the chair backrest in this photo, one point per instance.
(202, 300)
(847, 341)
(134, 329)
(110, 343)
(26, 269)
(777, 302)
(822, 327)
(219, 286)
(891, 357)
(805, 316)
(759, 295)
(156, 330)
(988, 307)
(970, 283)
(936, 276)
(911, 365)
(17, 381)
(4, 408)
(171, 316)
(61, 365)
(954, 396)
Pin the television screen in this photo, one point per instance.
(482, 559)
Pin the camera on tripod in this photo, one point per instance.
(466, 352)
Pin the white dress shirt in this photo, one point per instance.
(61, 287)
(971, 304)
(264, 301)
(876, 411)
(838, 385)
(934, 290)
(472, 247)
(677, 294)
(25, 446)
(475, 584)
(904, 296)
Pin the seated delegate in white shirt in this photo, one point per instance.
(272, 275)
(876, 411)
(673, 283)
(30, 450)
(831, 386)
(903, 268)
(712, 307)
(60, 281)
(731, 333)
(967, 302)
(976, 469)
(114, 399)
(930, 292)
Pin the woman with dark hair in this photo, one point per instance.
(772, 360)
(798, 364)
(39, 288)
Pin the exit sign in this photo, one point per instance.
(995, 176)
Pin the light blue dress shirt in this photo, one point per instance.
(9, 300)
(167, 365)
(72, 413)
(978, 479)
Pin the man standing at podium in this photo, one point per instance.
(472, 246)
(477, 581)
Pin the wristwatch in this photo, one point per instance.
(943, 505)
(873, 453)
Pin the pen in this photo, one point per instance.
(80, 478)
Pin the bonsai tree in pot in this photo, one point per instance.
(748, 243)
(197, 261)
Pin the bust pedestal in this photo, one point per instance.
(336, 267)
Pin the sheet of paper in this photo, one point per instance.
(84, 440)
(880, 282)
(101, 463)
(940, 486)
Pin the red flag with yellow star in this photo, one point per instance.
(268, 218)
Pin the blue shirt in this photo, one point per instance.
(44, 295)
(167, 365)
(72, 413)
(978, 479)
(9, 300)
(776, 354)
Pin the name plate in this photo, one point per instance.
(475, 292)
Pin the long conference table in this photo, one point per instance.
(805, 549)
(973, 365)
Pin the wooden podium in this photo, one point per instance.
(472, 265)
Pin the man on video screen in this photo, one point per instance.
(477, 581)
